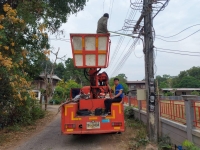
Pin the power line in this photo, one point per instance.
(180, 39)
(125, 57)
(121, 39)
(122, 53)
(110, 11)
(177, 50)
(103, 5)
(65, 40)
(178, 32)
(177, 53)
(163, 6)
(132, 15)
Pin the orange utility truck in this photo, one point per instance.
(83, 114)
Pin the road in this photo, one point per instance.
(52, 139)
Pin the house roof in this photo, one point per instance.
(135, 82)
(180, 89)
(48, 76)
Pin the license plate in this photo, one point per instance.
(93, 125)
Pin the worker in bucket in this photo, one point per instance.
(102, 24)
(116, 99)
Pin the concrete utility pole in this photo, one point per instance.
(152, 111)
(152, 101)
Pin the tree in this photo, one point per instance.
(24, 28)
(194, 72)
(16, 60)
(63, 88)
(186, 75)
(48, 13)
(164, 81)
(76, 74)
(189, 82)
(60, 70)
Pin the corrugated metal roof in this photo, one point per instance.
(48, 76)
(135, 82)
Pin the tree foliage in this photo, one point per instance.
(48, 13)
(189, 82)
(24, 46)
(186, 79)
(69, 72)
(62, 90)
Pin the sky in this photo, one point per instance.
(178, 15)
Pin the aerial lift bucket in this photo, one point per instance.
(90, 50)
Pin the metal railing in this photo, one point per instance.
(172, 108)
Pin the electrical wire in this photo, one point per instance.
(180, 39)
(178, 32)
(134, 44)
(110, 11)
(177, 53)
(122, 53)
(65, 40)
(123, 60)
(103, 5)
(121, 63)
(137, 56)
(121, 39)
(177, 50)
(162, 8)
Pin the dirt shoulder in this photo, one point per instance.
(11, 137)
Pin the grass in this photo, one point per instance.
(11, 135)
(138, 139)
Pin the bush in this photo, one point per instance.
(164, 142)
(189, 145)
(168, 94)
(37, 113)
(16, 112)
(195, 93)
(129, 112)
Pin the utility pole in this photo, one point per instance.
(152, 111)
(151, 100)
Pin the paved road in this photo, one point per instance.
(52, 139)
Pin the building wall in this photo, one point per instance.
(39, 84)
(133, 86)
(179, 93)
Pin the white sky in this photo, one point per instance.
(178, 15)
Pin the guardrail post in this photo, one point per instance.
(129, 100)
(189, 112)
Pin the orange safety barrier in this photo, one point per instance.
(196, 106)
(171, 109)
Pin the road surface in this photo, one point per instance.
(52, 139)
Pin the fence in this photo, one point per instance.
(179, 118)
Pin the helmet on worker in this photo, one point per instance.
(106, 15)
